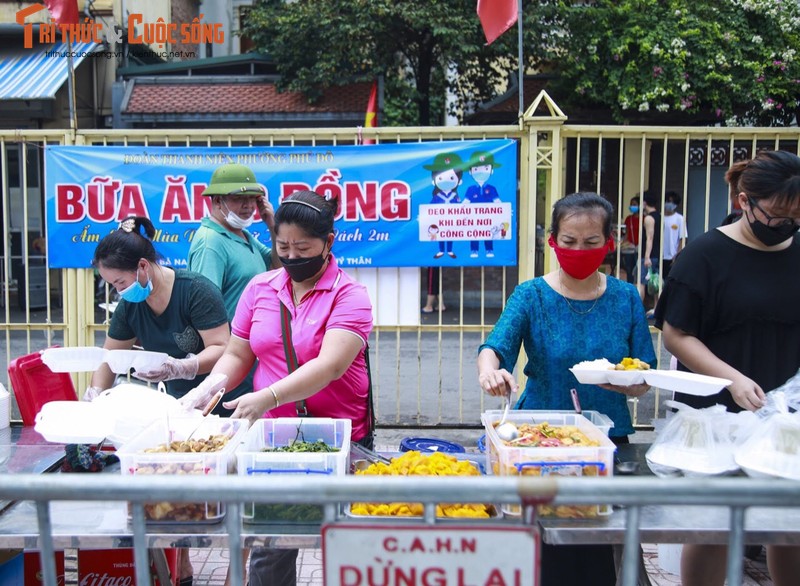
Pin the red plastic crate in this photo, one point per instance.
(34, 384)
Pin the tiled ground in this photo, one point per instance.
(210, 566)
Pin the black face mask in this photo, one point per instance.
(302, 269)
(772, 236)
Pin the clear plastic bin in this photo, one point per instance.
(510, 460)
(275, 433)
(135, 460)
(555, 417)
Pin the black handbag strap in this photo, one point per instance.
(291, 356)
(292, 364)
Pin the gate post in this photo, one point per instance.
(541, 151)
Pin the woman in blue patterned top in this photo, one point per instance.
(569, 315)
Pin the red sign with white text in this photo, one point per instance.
(435, 555)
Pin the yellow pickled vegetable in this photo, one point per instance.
(417, 464)
(631, 364)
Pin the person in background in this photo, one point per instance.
(307, 324)
(571, 314)
(650, 249)
(164, 310)
(729, 309)
(434, 301)
(674, 231)
(630, 246)
(224, 250)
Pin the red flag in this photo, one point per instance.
(63, 11)
(371, 119)
(496, 16)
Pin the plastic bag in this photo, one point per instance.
(772, 449)
(784, 399)
(696, 442)
(653, 282)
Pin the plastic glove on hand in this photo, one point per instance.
(200, 396)
(173, 368)
(91, 393)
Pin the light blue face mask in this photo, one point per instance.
(447, 185)
(670, 207)
(136, 293)
(481, 177)
(634, 209)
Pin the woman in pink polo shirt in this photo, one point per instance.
(328, 314)
(325, 317)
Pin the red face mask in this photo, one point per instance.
(579, 264)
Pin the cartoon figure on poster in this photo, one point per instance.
(446, 172)
(481, 165)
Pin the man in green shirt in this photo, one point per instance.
(223, 250)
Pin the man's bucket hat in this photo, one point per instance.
(233, 179)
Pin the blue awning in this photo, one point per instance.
(38, 73)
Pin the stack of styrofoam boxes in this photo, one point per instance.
(135, 460)
(267, 434)
(517, 459)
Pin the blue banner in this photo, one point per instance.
(400, 205)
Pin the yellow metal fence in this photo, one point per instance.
(424, 373)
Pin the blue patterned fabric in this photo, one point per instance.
(555, 337)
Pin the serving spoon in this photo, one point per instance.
(506, 430)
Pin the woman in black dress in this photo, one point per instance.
(730, 309)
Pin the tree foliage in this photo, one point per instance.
(732, 61)
(422, 48)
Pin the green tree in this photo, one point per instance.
(422, 48)
(733, 61)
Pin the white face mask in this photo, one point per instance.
(237, 223)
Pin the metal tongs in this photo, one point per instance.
(363, 453)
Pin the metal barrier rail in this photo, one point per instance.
(737, 494)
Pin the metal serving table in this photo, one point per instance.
(675, 523)
(103, 524)
(23, 451)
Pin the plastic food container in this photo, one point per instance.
(89, 359)
(774, 451)
(556, 417)
(135, 460)
(392, 510)
(685, 382)
(275, 433)
(73, 422)
(626, 377)
(132, 407)
(76, 359)
(510, 460)
(122, 361)
(694, 442)
(430, 444)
